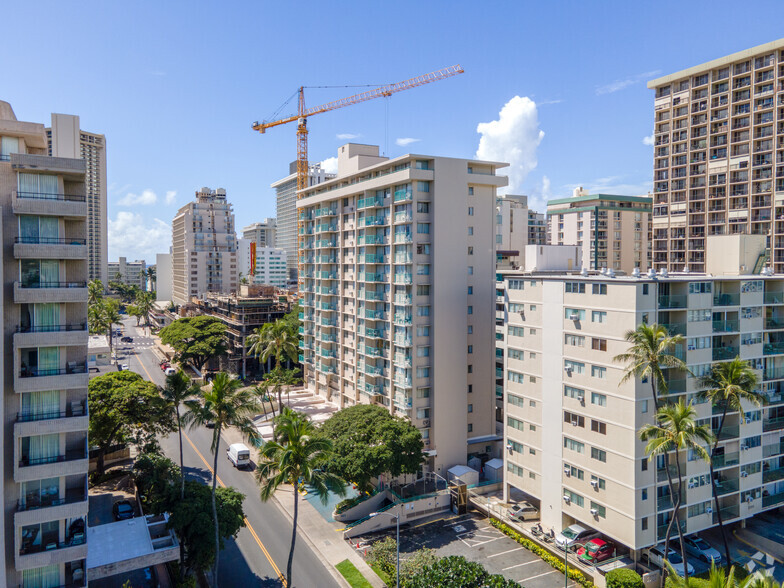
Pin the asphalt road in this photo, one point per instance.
(259, 555)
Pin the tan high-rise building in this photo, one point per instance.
(263, 233)
(204, 247)
(613, 231)
(718, 154)
(398, 293)
(129, 272)
(67, 139)
(44, 410)
(515, 227)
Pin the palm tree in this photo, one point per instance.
(650, 352)
(94, 292)
(102, 317)
(728, 385)
(152, 277)
(145, 302)
(275, 340)
(296, 455)
(676, 429)
(718, 578)
(225, 404)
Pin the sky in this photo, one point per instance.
(557, 89)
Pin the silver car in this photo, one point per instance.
(656, 557)
(523, 511)
(702, 549)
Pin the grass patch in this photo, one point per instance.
(386, 578)
(352, 575)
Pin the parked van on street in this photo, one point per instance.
(239, 455)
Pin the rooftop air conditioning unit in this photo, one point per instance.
(595, 483)
(709, 509)
(594, 512)
(566, 498)
(575, 316)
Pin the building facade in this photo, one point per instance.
(67, 139)
(264, 233)
(204, 247)
(45, 462)
(613, 231)
(163, 276)
(718, 149)
(397, 288)
(128, 272)
(286, 211)
(576, 452)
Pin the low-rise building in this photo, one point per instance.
(128, 272)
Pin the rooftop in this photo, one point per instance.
(598, 276)
(605, 197)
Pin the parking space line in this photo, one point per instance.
(540, 575)
(505, 552)
(524, 564)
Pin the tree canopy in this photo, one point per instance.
(456, 571)
(153, 475)
(125, 408)
(195, 339)
(368, 441)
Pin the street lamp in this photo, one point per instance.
(397, 539)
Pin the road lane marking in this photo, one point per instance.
(247, 522)
(505, 552)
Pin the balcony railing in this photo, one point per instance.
(772, 475)
(726, 300)
(79, 368)
(725, 326)
(772, 424)
(675, 328)
(773, 348)
(44, 502)
(52, 284)
(673, 301)
(726, 460)
(50, 328)
(27, 417)
(49, 196)
(77, 539)
(772, 499)
(727, 513)
(49, 241)
(773, 298)
(727, 432)
(720, 353)
(72, 455)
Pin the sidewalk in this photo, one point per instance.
(325, 538)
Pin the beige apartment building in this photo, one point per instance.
(613, 231)
(517, 226)
(129, 272)
(204, 247)
(263, 233)
(286, 210)
(67, 139)
(397, 261)
(45, 460)
(571, 425)
(718, 156)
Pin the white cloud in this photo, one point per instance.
(513, 138)
(330, 165)
(619, 85)
(405, 141)
(170, 196)
(539, 194)
(546, 193)
(347, 136)
(146, 198)
(134, 237)
(647, 140)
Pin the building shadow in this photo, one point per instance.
(234, 570)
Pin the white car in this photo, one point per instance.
(656, 557)
(573, 534)
(702, 549)
(124, 367)
(523, 511)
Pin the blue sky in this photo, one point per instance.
(175, 86)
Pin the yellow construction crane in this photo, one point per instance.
(303, 113)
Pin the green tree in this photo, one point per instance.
(153, 475)
(135, 312)
(153, 278)
(368, 442)
(102, 317)
(195, 339)
(124, 408)
(676, 429)
(297, 454)
(279, 379)
(94, 292)
(456, 571)
(145, 302)
(278, 341)
(415, 564)
(224, 404)
(728, 385)
(719, 578)
(651, 351)
(179, 390)
(624, 578)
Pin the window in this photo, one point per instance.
(515, 354)
(516, 447)
(644, 524)
(515, 400)
(532, 451)
(532, 331)
(574, 366)
(470, 329)
(598, 427)
(599, 289)
(423, 248)
(423, 413)
(573, 445)
(644, 494)
(470, 270)
(575, 393)
(470, 310)
(470, 369)
(644, 406)
(598, 316)
(575, 419)
(515, 423)
(601, 511)
(470, 251)
(599, 372)
(575, 287)
(423, 372)
(598, 399)
(644, 464)
(470, 211)
(517, 331)
(645, 289)
(598, 454)
(532, 403)
(423, 228)
(470, 349)
(694, 316)
(423, 207)
(423, 311)
(423, 331)
(600, 482)
(574, 314)
(574, 340)
(423, 392)
(574, 498)
(423, 352)
(700, 287)
(599, 344)
(470, 428)
(516, 377)
(515, 469)
(423, 269)
(423, 289)
(470, 408)
(470, 388)
(574, 472)
(470, 290)
(516, 285)
(470, 230)
(470, 190)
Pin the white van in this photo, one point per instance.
(239, 455)
(170, 371)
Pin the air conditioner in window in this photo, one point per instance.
(709, 509)
(566, 498)
(744, 474)
(744, 447)
(749, 498)
(568, 370)
(595, 483)
(691, 484)
(509, 446)
(581, 398)
(574, 316)
(426, 423)
(567, 470)
(594, 512)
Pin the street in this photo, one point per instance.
(259, 555)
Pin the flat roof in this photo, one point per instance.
(120, 541)
(610, 197)
(713, 64)
(98, 342)
(594, 276)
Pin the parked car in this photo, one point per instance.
(573, 534)
(702, 549)
(596, 550)
(239, 455)
(656, 557)
(165, 365)
(122, 510)
(170, 371)
(124, 367)
(127, 339)
(523, 511)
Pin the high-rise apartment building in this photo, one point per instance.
(515, 227)
(537, 228)
(45, 461)
(128, 272)
(398, 293)
(286, 211)
(571, 423)
(262, 265)
(163, 277)
(67, 139)
(204, 247)
(263, 233)
(613, 231)
(718, 150)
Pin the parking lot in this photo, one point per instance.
(471, 536)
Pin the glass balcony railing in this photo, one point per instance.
(727, 513)
(726, 300)
(673, 301)
(720, 353)
(725, 326)
(775, 348)
(675, 328)
(773, 298)
(772, 424)
(402, 195)
(727, 486)
(772, 499)
(726, 460)
(727, 432)
(773, 373)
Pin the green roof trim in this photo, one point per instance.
(611, 197)
(592, 208)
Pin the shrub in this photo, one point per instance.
(623, 578)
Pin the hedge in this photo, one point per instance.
(624, 578)
(545, 555)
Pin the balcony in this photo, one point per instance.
(772, 424)
(402, 195)
(45, 422)
(49, 248)
(53, 552)
(727, 513)
(73, 461)
(720, 353)
(728, 486)
(37, 380)
(726, 460)
(773, 373)
(772, 499)
(727, 433)
(675, 328)
(673, 301)
(774, 323)
(43, 292)
(773, 348)
(772, 475)
(51, 335)
(42, 507)
(726, 300)
(773, 298)
(39, 203)
(725, 326)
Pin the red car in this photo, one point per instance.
(595, 551)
